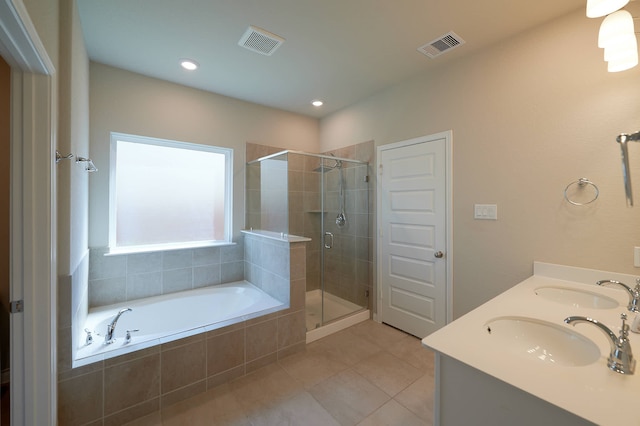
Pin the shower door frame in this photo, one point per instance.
(323, 230)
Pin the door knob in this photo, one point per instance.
(438, 254)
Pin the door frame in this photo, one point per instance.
(33, 218)
(448, 258)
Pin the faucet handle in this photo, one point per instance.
(127, 338)
(89, 339)
(624, 329)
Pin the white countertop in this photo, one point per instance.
(593, 392)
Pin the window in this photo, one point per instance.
(167, 194)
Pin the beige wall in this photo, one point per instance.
(125, 102)
(529, 116)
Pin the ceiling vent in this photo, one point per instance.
(443, 44)
(260, 41)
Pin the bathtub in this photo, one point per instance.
(162, 319)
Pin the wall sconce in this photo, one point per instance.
(600, 8)
(617, 34)
(618, 39)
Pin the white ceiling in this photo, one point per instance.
(340, 51)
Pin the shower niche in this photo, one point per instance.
(324, 198)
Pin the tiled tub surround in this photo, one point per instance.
(122, 277)
(126, 387)
(163, 319)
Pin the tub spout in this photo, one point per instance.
(621, 358)
(111, 328)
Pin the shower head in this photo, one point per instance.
(323, 168)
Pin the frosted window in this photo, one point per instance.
(167, 192)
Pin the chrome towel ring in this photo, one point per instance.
(581, 184)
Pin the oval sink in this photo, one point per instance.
(541, 341)
(577, 298)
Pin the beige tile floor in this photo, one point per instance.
(369, 374)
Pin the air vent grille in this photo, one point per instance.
(441, 45)
(260, 41)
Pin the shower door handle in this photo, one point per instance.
(328, 244)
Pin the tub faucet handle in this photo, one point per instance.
(89, 339)
(127, 338)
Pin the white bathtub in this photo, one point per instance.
(169, 317)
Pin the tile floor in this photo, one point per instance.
(369, 374)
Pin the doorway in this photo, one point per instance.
(414, 234)
(32, 212)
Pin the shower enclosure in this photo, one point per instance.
(326, 199)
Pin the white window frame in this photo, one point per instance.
(228, 193)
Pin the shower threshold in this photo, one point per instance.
(344, 312)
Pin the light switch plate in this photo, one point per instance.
(636, 257)
(485, 211)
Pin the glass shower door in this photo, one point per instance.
(345, 216)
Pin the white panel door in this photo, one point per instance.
(412, 236)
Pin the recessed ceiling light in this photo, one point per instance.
(188, 64)
(317, 103)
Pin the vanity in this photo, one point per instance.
(514, 360)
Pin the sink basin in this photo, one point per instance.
(576, 297)
(541, 341)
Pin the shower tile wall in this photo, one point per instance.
(304, 213)
(344, 277)
(123, 388)
(120, 278)
(348, 267)
(266, 201)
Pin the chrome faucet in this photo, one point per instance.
(620, 359)
(111, 327)
(634, 293)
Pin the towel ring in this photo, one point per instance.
(582, 182)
